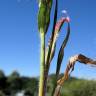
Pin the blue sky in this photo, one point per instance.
(20, 42)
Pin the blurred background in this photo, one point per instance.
(20, 44)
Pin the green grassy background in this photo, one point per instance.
(10, 85)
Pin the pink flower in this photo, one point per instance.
(67, 19)
(60, 22)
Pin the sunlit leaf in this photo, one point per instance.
(48, 50)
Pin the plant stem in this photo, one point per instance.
(42, 63)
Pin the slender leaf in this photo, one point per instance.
(61, 51)
(60, 58)
(47, 54)
(48, 51)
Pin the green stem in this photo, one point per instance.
(42, 63)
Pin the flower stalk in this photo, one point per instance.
(43, 24)
(42, 63)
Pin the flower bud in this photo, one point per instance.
(60, 22)
(41, 16)
(44, 15)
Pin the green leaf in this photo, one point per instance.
(60, 57)
(48, 51)
(61, 51)
(49, 48)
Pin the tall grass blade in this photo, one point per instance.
(61, 51)
(60, 58)
(48, 51)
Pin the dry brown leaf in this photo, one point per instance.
(57, 91)
(70, 67)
